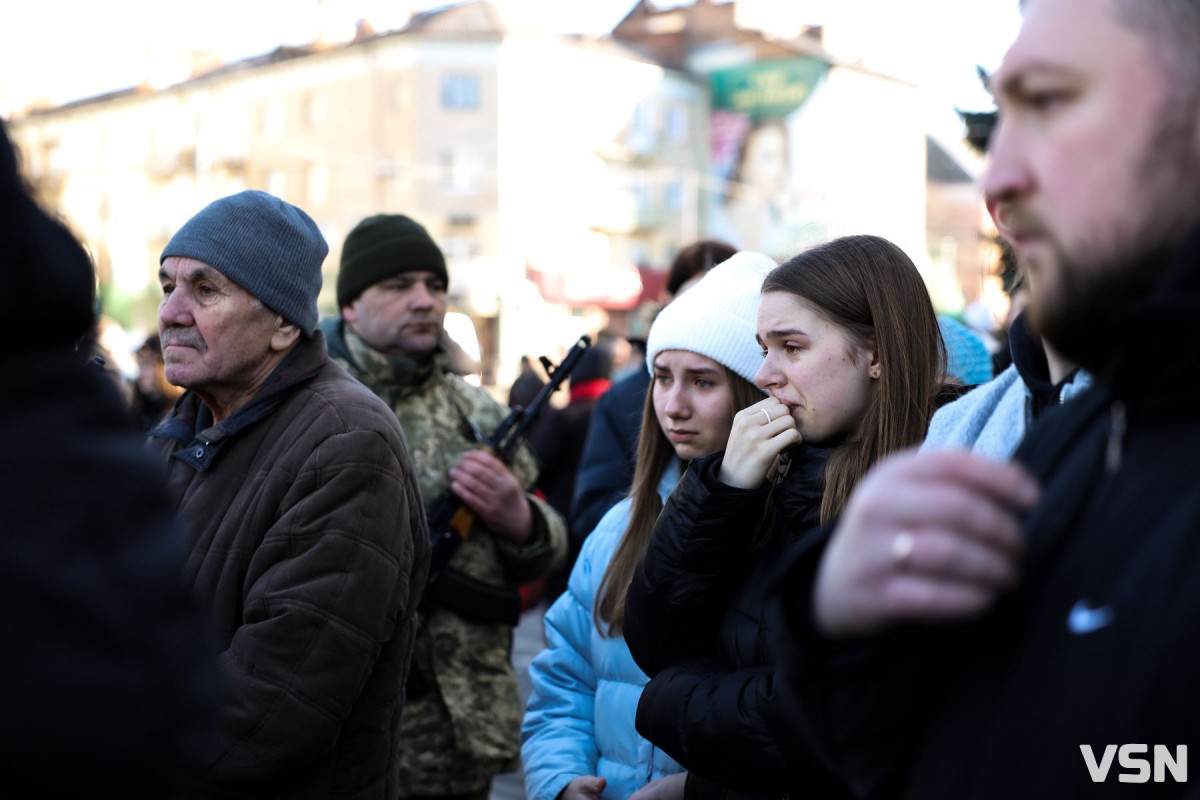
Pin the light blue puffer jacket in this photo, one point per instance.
(579, 720)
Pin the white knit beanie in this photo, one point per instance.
(717, 317)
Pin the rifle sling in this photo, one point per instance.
(475, 600)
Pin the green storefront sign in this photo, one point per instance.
(766, 88)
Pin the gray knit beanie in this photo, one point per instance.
(269, 247)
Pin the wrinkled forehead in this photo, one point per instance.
(190, 270)
(181, 270)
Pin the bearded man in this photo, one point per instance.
(994, 630)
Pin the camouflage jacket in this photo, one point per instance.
(466, 728)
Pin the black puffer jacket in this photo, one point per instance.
(695, 622)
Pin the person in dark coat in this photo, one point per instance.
(606, 466)
(997, 630)
(110, 671)
(151, 396)
(558, 441)
(854, 363)
(526, 386)
(308, 536)
(609, 455)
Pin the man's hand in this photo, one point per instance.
(760, 432)
(587, 787)
(925, 537)
(488, 488)
(669, 787)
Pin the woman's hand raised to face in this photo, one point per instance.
(760, 433)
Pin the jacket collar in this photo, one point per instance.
(670, 477)
(191, 426)
(801, 487)
(1029, 356)
(383, 370)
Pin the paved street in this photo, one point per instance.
(528, 640)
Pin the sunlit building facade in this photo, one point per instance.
(562, 159)
(560, 174)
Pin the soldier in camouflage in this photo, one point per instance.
(463, 715)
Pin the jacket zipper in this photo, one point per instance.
(785, 463)
(1116, 437)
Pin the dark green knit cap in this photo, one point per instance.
(381, 247)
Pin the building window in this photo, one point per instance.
(272, 119)
(458, 171)
(460, 91)
(318, 185)
(402, 95)
(314, 110)
(276, 183)
(638, 252)
(643, 119)
(677, 123)
(674, 195)
(641, 129)
(641, 195)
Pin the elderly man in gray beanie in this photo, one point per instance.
(308, 541)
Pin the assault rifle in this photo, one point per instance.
(450, 520)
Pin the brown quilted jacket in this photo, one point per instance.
(309, 545)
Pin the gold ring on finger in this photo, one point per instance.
(902, 548)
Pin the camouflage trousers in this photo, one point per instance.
(432, 760)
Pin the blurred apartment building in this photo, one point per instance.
(860, 154)
(559, 173)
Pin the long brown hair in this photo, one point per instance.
(868, 287)
(653, 456)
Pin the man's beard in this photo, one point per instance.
(1081, 317)
(1081, 314)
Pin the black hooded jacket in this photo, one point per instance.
(696, 623)
(1098, 645)
(1029, 356)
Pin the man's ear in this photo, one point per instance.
(284, 335)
